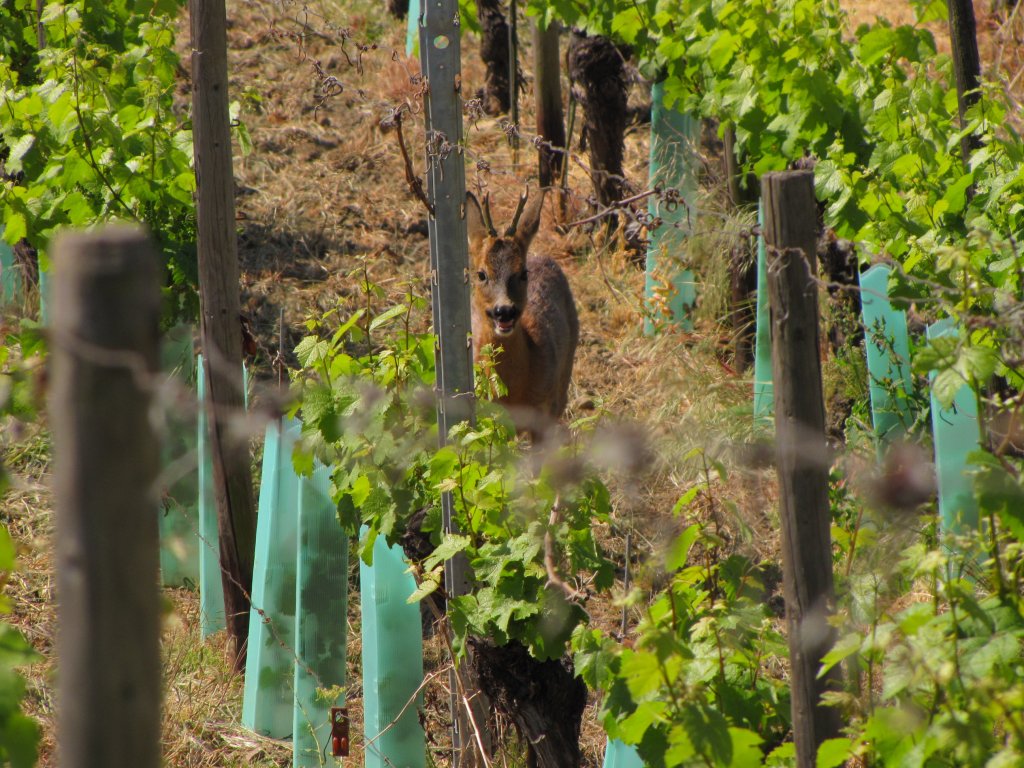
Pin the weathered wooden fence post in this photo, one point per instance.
(963, 39)
(801, 451)
(547, 84)
(221, 307)
(105, 358)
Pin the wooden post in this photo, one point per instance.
(963, 38)
(742, 301)
(743, 262)
(790, 217)
(40, 27)
(513, 78)
(105, 363)
(221, 308)
(494, 51)
(547, 83)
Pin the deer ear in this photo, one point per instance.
(475, 227)
(529, 223)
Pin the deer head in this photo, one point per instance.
(498, 262)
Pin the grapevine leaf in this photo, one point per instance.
(833, 753)
(633, 727)
(956, 195)
(429, 583)
(782, 755)
(999, 491)
(746, 748)
(450, 546)
(843, 649)
(17, 151)
(679, 551)
(388, 316)
(14, 228)
(20, 738)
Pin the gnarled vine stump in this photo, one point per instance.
(544, 699)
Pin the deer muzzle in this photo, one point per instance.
(504, 317)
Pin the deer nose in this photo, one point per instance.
(505, 313)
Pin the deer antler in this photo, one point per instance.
(488, 221)
(519, 212)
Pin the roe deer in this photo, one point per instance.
(523, 305)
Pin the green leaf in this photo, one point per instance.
(429, 584)
(15, 650)
(834, 752)
(927, 11)
(843, 649)
(627, 24)
(685, 500)
(310, 350)
(875, 44)
(722, 49)
(956, 195)
(7, 549)
(999, 491)
(679, 551)
(20, 738)
(449, 547)
(643, 673)
(782, 756)
(978, 363)
(946, 385)
(633, 727)
(15, 228)
(746, 748)
(17, 152)
(388, 316)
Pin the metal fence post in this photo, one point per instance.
(449, 260)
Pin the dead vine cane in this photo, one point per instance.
(394, 122)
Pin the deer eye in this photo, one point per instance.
(523, 275)
(482, 276)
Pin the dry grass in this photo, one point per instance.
(321, 199)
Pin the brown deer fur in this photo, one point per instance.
(522, 306)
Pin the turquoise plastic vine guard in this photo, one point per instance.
(620, 755)
(392, 662)
(764, 390)
(10, 278)
(321, 605)
(268, 698)
(956, 431)
(44, 296)
(888, 354)
(179, 514)
(412, 33)
(674, 138)
(211, 587)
